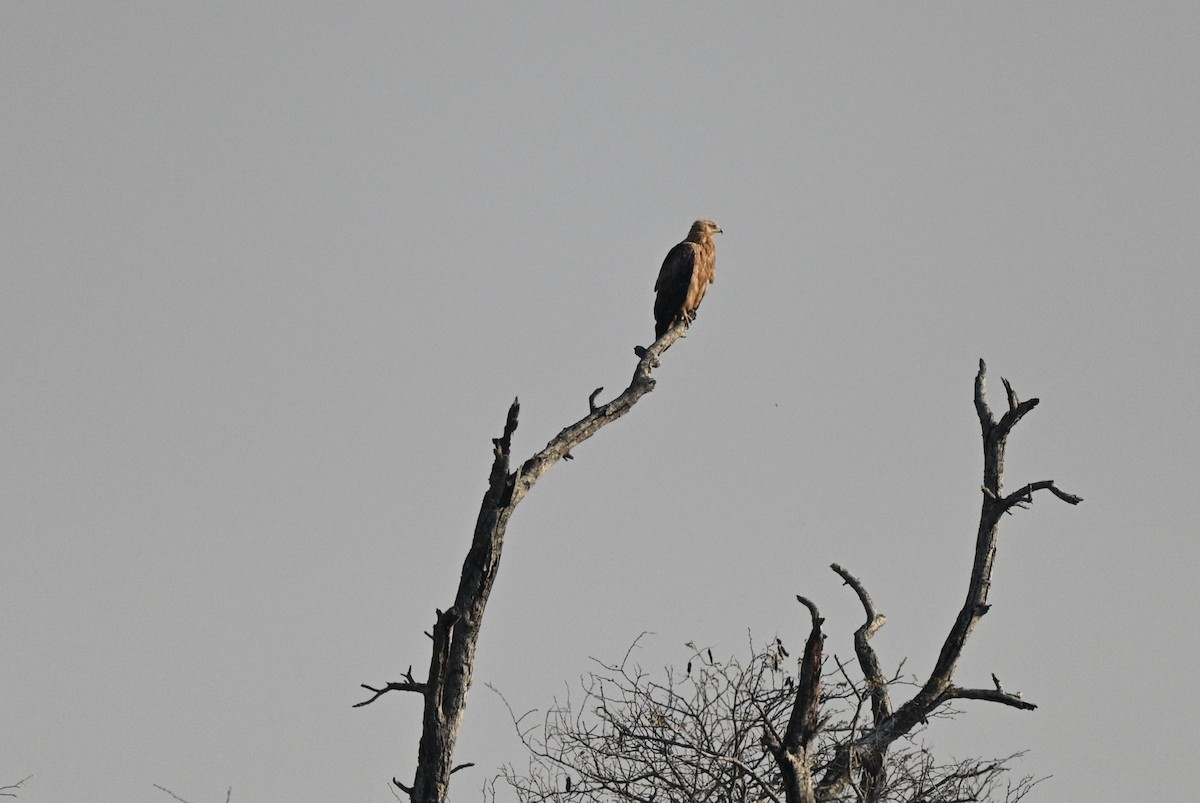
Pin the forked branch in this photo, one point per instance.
(408, 684)
(10, 790)
(860, 763)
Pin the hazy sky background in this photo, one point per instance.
(272, 274)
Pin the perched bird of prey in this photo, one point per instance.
(688, 270)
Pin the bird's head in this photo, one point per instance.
(705, 228)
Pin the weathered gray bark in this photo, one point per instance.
(699, 735)
(456, 629)
(792, 753)
(861, 761)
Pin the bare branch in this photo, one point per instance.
(634, 738)
(10, 789)
(228, 793)
(1013, 401)
(995, 439)
(456, 631)
(700, 738)
(793, 754)
(870, 750)
(419, 688)
(1025, 495)
(991, 695)
(802, 726)
(408, 684)
(168, 791)
(575, 434)
(986, 419)
(881, 704)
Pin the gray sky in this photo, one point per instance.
(272, 275)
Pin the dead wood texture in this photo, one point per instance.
(751, 732)
(456, 629)
(793, 752)
(859, 763)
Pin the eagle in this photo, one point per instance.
(686, 273)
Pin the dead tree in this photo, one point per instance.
(866, 755)
(728, 732)
(702, 734)
(456, 629)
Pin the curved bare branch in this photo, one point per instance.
(457, 630)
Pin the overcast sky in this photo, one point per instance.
(272, 274)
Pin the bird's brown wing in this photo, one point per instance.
(702, 276)
(674, 280)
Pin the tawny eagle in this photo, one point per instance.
(688, 270)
